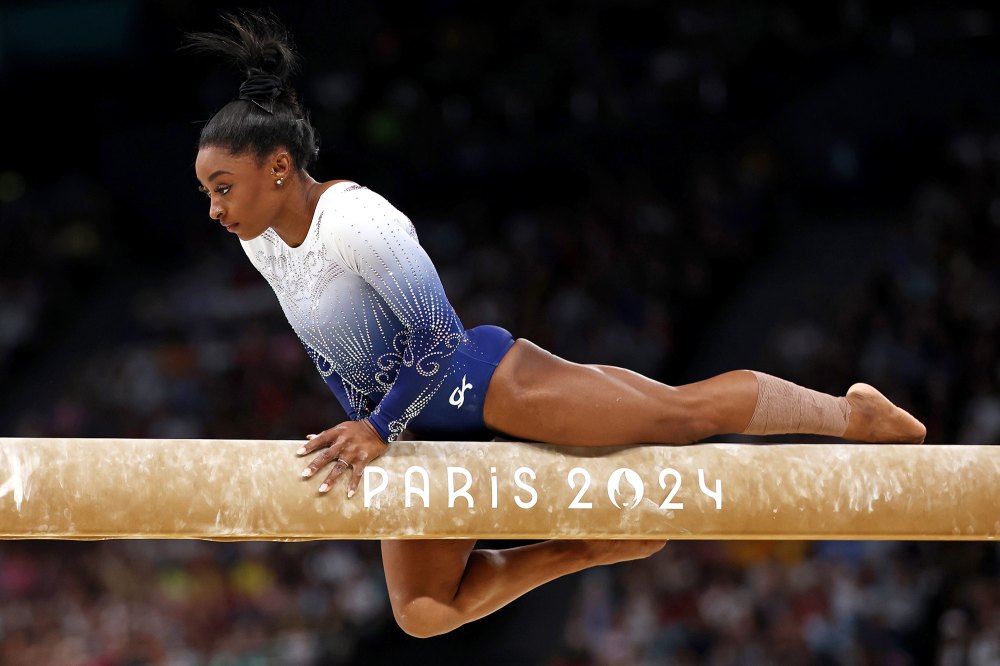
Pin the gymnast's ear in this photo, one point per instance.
(279, 164)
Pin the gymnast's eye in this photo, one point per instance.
(221, 189)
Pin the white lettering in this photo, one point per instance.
(717, 495)
(676, 476)
(370, 492)
(410, 490)
(461, 480)
(520, 472)
(573, 473)
(461, 492)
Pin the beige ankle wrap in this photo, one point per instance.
(786, 408)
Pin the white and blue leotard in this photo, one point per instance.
(369, 307)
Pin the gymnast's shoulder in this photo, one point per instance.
(348, 212)
(352, 200)
(345, 211)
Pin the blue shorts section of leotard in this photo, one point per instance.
(456, 410)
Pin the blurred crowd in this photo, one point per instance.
(187, 602)
(600, 181)
(923, 323)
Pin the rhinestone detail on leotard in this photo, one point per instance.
(367, 304)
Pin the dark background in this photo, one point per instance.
(677, 188)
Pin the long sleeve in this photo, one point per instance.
(352, 400)
(377, 242)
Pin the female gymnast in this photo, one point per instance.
(367, 303)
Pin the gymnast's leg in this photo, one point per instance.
(538, 396)
(438, 585)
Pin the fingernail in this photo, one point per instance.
(301, 450)
(350, 493)
(306, 472)
(325, 487)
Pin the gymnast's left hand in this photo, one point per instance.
(349, 446)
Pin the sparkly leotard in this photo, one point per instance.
(367, 303)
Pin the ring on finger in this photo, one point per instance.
(341, 460)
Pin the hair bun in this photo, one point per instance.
(261, 89)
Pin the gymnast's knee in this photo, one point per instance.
(424, 617)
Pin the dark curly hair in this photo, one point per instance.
(267, 114)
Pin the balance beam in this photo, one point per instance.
(226, 490)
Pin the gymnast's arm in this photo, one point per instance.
(371, 240)
(354, 410)
(374, 240)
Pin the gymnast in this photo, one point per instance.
(366, 301)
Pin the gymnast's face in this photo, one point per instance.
(241, 190)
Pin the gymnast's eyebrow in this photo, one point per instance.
(218, 173)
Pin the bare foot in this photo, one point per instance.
(610, 551)
(875, 419)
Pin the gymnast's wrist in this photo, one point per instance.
(381, 432)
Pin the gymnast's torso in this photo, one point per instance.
(367, 303)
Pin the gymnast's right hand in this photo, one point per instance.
(349, 445)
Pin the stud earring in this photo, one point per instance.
(280, 182)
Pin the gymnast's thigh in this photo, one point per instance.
(538, 396)
(424, 567)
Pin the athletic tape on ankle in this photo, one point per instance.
(787, 408)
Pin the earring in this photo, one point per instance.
(280, 182)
